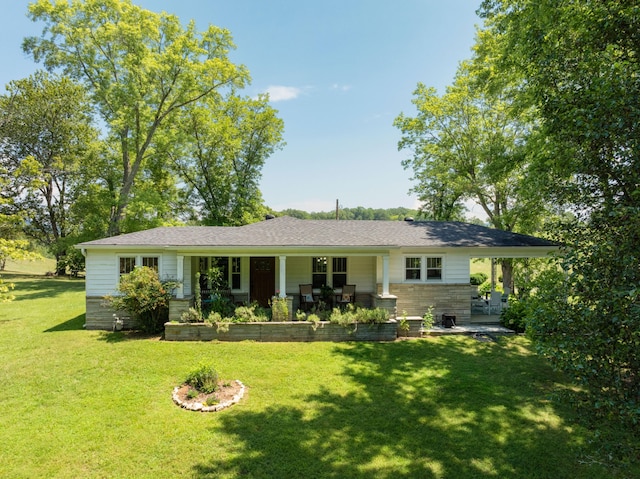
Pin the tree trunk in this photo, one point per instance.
(507, 275)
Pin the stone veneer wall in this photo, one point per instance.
(100, 316)
(178, 306)
(415, 299)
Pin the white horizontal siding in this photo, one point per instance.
(455, 266)
(102, 268)
(457, 269)
(101, 272)
(361, 271)
(168, 265)
(298, 272)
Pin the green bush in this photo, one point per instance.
(353, 315)
(515, 316)
(478, 278)
(204, 378)
(250, 314)
(144, 296)
(191, 316)
(372, 316)
(279, 309)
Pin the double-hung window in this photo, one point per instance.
(151, 262)
(423, 268)
(413, 268)
(235, 273)
(339, 272)
(127, 264)
(319, 271)
(434, 268)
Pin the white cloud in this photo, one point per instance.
(337, 86)
(282, 93)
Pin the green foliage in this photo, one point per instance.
(5, 297)
(353, 315)
(469, 144)
(192, 315)
(16, 250)
(142, 294)
(72, 261)
(515, 316)
(586, 321)
(279, 309)
(427, 319)
(204, 378)
(250, 314)
(143, 70)
(358, 213)
(477, 279)
(192, 393)
(577, 64)
(222, 152)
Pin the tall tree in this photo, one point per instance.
(578, 63)
(223, 147)
(46, 135)
(140, 67)
(467, 144)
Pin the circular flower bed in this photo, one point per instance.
(226, 394)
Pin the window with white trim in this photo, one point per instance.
(319, 271)
(152, 262)
(434, 268)
(423, 268)
(413, 268)
(235, 273)
(339, 272)
(126, 264)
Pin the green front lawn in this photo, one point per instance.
(79, 403)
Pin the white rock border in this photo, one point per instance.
(198, 406)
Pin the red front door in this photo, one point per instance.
(262, 280)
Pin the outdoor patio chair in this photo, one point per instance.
(307, 299)
(495, 303)
(348, 295)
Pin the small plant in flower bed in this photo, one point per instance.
(192, 394)
(204, 379)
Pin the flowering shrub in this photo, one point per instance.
(144, 296)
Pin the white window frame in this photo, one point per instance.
(137, 258)
(424, 260)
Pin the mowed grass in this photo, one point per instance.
(91, 404)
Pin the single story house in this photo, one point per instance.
(404, 266)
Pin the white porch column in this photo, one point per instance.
(283, 277)
(180, 277)
(385, 275)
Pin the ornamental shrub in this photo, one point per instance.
(477, 279)
(515, 316)
(204, 378)
(142, 294)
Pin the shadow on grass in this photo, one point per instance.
(73, 324)
(435, 408)
(127, 335)
(34, 287)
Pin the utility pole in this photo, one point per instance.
(337, 215)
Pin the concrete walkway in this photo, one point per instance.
(470, 329)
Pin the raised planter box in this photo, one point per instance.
(280, 332)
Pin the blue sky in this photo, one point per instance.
(338, 72)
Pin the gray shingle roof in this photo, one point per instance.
(287, 231)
